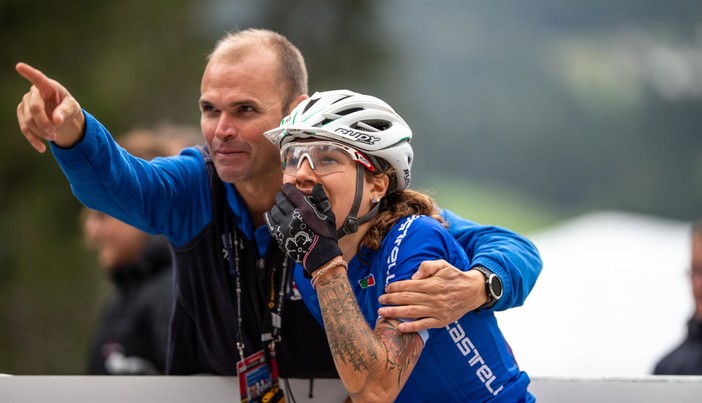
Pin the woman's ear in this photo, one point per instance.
(379, 186)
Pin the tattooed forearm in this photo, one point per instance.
(403, 348)
(364, 359)
(350, 338)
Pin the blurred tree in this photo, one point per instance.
(126, 61)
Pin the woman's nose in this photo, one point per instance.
(305, 173)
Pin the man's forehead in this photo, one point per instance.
(237, 84)
(258, 61)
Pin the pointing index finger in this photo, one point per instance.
(37, 78)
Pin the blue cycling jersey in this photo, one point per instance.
(469, 360)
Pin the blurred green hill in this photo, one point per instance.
(490, 205)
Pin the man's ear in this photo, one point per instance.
(296, 102)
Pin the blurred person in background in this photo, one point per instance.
(686, 358)
(132, 334)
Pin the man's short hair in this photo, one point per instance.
(291, 63)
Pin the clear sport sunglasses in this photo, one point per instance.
(324, 157)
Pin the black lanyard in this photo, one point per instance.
(274, 308)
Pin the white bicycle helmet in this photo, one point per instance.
(363, 122)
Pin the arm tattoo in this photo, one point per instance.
(349, 341)
(403, 348)
(354, 344)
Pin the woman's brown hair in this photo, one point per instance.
(395, 205)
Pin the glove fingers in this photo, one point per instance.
(274, 227)
(275, 216)
(283, 204)
(320, 200)
(308, 210)
(301, 231)
(270, 222)
(293, 194)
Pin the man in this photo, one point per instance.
(686, 358)
(228, 273)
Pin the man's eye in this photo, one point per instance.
(206, 108)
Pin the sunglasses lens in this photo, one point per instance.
(323, 158)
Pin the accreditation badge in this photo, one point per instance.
(258, 381)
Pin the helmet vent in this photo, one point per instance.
(330, 117)
(374, 125)
(348, 111)
(309, 104)
(341, 99)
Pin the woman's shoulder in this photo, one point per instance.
(413, 240)
(416, 230)
(417, 224)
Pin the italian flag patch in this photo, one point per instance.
(367, 281)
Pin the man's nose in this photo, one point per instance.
(226, 127)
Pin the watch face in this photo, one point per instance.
(495, 287)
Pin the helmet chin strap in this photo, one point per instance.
(352, 222)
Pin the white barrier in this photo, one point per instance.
(641, 389)
(151, 389)
(176, 389)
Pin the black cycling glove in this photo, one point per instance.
(305, 228)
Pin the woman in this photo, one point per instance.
(348, 155)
